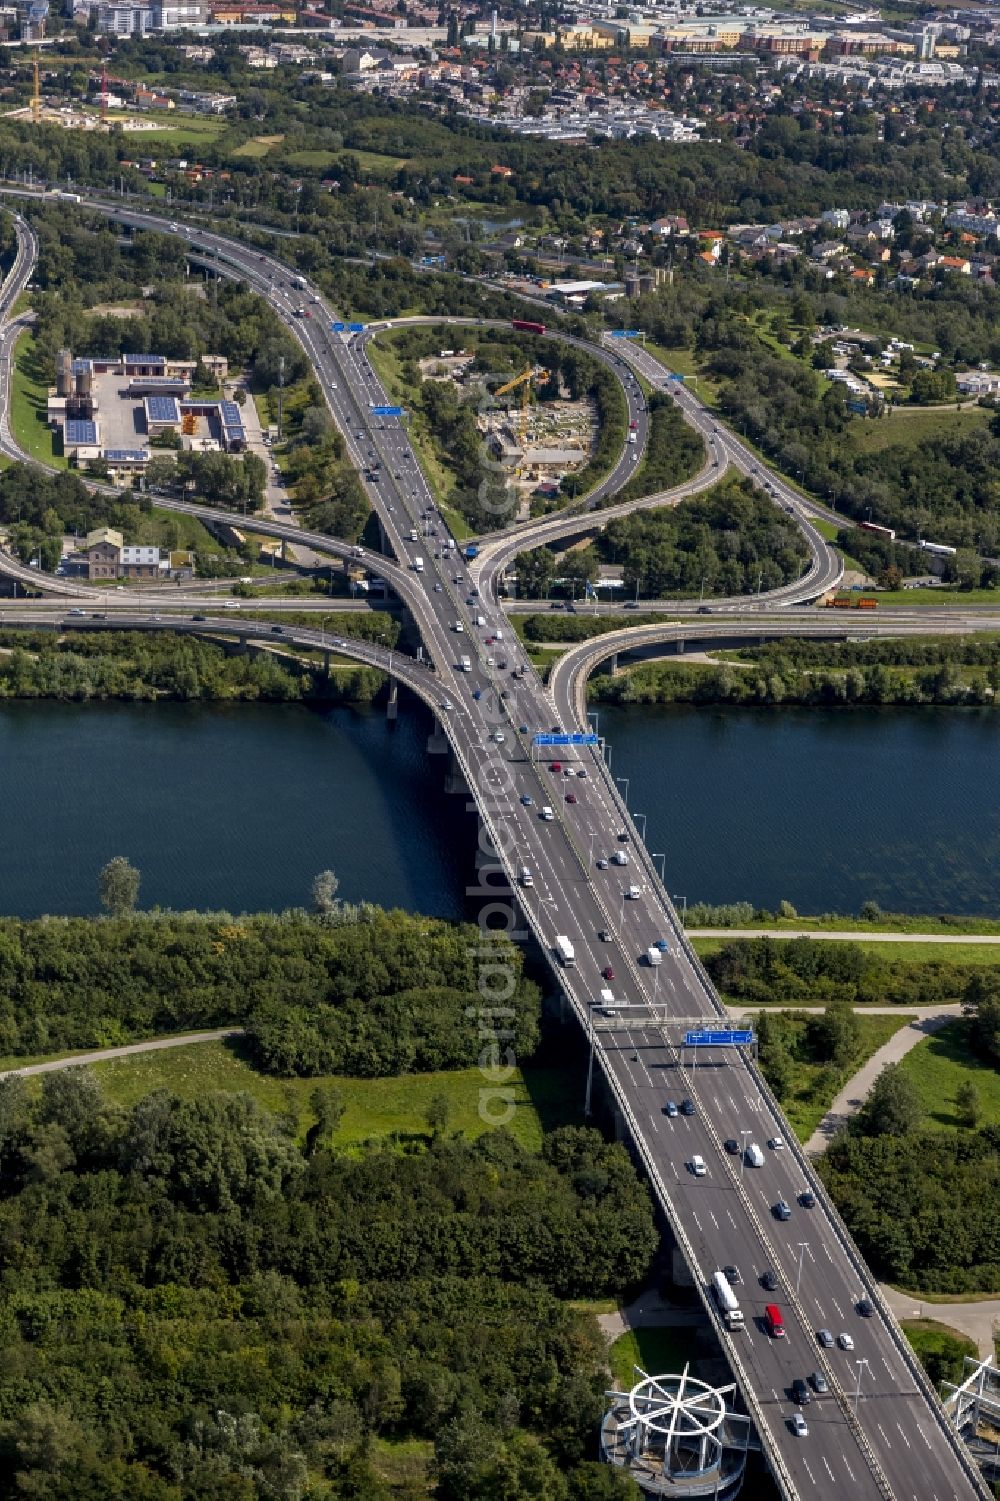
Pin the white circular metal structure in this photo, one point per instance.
(676, 1435)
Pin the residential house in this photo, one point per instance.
(103, 548)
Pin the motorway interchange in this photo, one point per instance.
(879, 1430)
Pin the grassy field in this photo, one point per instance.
(320, 159)
(908, 426)
(29, 395)
(814, 1086)
(404, 1464)
(175, 136)
(375, 1107)
(939, 1066)
(655, 1350)
(939, 1346)
(898, 953)
(379, 162)
(257, 146)
(944, 597)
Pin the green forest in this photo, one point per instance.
(809, 971)
(200, 1300)
(729, 540)
(148, 665)
(952, 670)
(196, 1304)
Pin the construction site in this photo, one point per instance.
(77, 116)
(540, 443)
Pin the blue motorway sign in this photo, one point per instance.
(565, 740)
(717, 1039)
(674, 376)
(338, 328)
(387, 411)
(626, 333)
(356, 328)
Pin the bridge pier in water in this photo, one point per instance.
(437, 740)
(392, 704)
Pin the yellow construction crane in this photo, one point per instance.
(524, 381)
(36, 93)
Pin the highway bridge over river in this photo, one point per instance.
(880, 1432)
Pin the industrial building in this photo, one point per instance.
(108, 409)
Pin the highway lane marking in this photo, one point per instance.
(713, 1219)
(729, 1216)
(902, 1435)
(697, 1222)
(881, 1430)
(812, 1477)
(840, 1313)
(655, 1126)
(849, 1470)
(826, 1463)
(923, 1435)
(826, 1250)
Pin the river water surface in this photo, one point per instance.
(238, 807)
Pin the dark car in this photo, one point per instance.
(199, 617)
(608, 972)
(277, 630)
(820, 1384)
(606, 935)
(800, 1392)
(623, 837)
(732, 1146)
(807, 1199)
(865, 1308)
(687, 1107)
(571, 797)
(769, 1281)
(781, 1211)
(733, 1275)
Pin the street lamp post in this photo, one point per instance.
(803, 1247)
(743, 1151)
(625, 781)
(663, 865)
(685, 901)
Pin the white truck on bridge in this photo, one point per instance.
(565, 950)
(728, 1303)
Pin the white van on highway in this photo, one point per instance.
(755, 1157)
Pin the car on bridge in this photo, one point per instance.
(799, 1425)
(825, 1338)
(670, 1108)
(687, 1107)
(781, 1211)
(527, 799)
(845, 1341)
